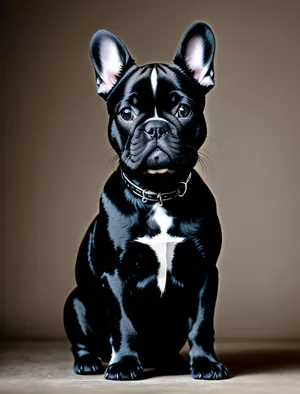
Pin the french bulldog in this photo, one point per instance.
(146, 269)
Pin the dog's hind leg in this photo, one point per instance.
(89, 337)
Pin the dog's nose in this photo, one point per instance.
(156, 128)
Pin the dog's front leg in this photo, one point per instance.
(204, 364)
(124, 363)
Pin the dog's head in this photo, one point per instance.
(156, 114)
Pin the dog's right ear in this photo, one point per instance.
(195, 54)
(110, 59)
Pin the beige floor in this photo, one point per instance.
(45, 367)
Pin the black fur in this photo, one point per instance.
(146, 274)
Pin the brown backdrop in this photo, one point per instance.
(55, 154)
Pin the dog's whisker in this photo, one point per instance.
(208, 153)
(214, 140)
(205, 159)
(202, 163)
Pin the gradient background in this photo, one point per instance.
(55, 155)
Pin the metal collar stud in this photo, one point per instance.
(148, 195)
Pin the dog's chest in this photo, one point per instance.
(163, 243)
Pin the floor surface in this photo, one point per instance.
(46, 367)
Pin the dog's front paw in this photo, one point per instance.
(128, 368)
(202, 368)
(88, 365)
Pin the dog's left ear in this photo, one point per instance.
(195, 54)
(110, 59)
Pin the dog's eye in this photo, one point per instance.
(127, 114)
(184, 111)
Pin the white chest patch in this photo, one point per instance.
(163, 244)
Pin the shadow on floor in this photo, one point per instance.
(250, 362)
(256, 361)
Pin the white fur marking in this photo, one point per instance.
(156, 118)
(163, 244)
(153, 79)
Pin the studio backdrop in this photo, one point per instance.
(55, 155)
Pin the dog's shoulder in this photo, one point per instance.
(199, 192)
(115, 194)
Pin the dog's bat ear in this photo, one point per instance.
(110, 59)
(195, 54)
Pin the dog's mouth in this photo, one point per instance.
(160, 171)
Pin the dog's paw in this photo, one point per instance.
(128, 368)
(202, 368)
(88, 365)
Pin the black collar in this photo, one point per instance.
(148, 195)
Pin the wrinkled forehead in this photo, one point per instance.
(155, 82)
(153, 79)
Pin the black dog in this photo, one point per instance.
(146, 270)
